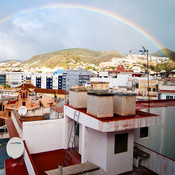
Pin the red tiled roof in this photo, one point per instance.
(27, 86)
(28, 119)
(50, 91)
(58, 109)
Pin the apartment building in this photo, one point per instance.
(73, 78)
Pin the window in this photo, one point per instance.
(121, 143)
(154, 89)
(23, 103)
(144, 132)
(77, 131)
(137, 85)
(167, 97)
(9, 114)
(149, 89)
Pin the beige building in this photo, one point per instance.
(99, 85)
(141, 88)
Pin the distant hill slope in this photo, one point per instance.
(165, 53)
(62, 57)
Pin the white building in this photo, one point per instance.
(108, 141)
(16, 78)
(121, 80)
(167, 90)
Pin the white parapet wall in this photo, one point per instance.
(44, 135)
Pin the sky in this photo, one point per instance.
(33, 27)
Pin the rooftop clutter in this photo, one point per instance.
(101, 103)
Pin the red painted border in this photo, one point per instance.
(31, 160)
(154, 151)
(155, 101)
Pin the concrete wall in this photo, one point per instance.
(55, 115)
(97, 147)
(35, 112)
(161, 137)
(121, 162)
(157, 163)
(41, 136)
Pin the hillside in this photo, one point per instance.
(165, 53)
(63, 57)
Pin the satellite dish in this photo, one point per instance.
(22, 110)
(15, 147)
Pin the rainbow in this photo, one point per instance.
(99, 11)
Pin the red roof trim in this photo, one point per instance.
(167, 91)
(11, 128)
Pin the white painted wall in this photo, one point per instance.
(121, 80)
(55, 81)
(163, 95)
(46, 135)
(43, 81)
(161, 137)
(97, 147)
(122, 162)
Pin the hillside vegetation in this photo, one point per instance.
(165, 53)
(63, 57)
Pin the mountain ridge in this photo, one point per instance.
(165, 53)
(74, 55)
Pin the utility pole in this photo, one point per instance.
(147, 71)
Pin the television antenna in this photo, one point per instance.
(144, 51)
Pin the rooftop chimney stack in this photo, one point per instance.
(100, 104)
(78, 97)
(124, 103)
